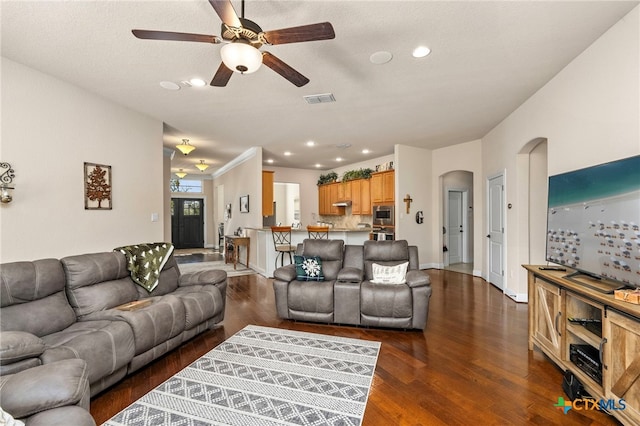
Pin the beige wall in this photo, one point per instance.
(589, 114)
(242, 177)
(49, 129)
(413, 176)
(462, 157)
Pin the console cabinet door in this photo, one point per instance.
(621, 376)
(547, 316)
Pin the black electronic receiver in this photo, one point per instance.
(552, 268)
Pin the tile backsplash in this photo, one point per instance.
(347, 220)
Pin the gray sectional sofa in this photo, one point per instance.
(347, 294)
(88, 307)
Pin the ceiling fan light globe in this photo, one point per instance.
(241, 57)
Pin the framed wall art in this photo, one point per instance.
(244, 204)
(97, 187)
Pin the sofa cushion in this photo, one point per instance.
(37, 288)
(201, 302)
(331, 253)
(105, 345)
(98, 281)
(389, 274)
(385, 301)
(307, 296)
(388, 253)
(308, 268)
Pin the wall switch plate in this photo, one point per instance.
(154, 217)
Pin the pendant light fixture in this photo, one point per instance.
(181, 174)
(201, 166)
(185, 147)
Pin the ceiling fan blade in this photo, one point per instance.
(222, 76)
(226, 12)
(167, 35)
(322, 31)
(284, 70)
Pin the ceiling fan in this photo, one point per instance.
(243, 39)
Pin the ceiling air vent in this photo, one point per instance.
(319, 99)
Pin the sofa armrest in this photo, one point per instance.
(285, 273)
(351, 274)
(53, 385)
(208, 276)
(16, 346)
(417, 278)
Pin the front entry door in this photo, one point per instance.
(496, 231)
(187, 222)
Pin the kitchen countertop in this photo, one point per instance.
(304, 229)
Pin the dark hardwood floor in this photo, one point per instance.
(471, 365)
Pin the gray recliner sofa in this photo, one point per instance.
(347, 294)
(80, 307)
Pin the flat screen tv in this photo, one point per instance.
(593, 222)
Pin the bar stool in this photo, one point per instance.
(318, 232)
(282, 243)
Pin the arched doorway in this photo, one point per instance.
(457, 219)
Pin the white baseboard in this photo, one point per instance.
(518, 297)
(431, 266)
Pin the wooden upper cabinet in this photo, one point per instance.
(327, 195)
(267, 193)
(382, 187)
(360, 196)
(344, 191)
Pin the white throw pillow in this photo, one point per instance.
(7, 419)
(389, 274)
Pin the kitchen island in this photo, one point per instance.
(264, 254)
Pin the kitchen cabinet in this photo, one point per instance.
(361, 196)
(327, 195)
(383, 187)
(267, 193)
(344, 191)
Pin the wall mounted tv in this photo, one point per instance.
(593, 223)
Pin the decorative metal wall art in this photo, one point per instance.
(97, 187)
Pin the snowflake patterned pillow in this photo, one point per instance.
(389, 274)
(308, 268)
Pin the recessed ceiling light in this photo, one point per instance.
(270, 161)
(380, 57)
(421, 51)
(365, 151)
(318, 165)
(198, 82)
(287, 153)
(169, 85)
(311, 143)
(339, 159)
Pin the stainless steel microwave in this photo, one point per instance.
(383, 215)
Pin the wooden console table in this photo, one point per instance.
(567, 316)
(233, 255)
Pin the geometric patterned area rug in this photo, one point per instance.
(265, 376)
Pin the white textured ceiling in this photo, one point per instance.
(487, 58)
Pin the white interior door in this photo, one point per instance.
(455, 228)
(496, 231)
